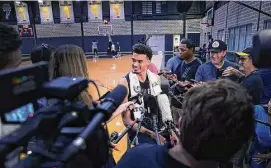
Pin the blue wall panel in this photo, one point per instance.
(27, 45)
(124, 40)
(58, 41)
(195, 37)
(168, 42)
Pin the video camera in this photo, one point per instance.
(69, 133)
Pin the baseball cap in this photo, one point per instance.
(218, 46)
(245, 53)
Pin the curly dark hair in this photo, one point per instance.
(217, 120)
(9, 41)
(142, 49)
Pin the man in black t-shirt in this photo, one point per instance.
(206, 137)
(249, 76)
(185, 71)
(141, 80)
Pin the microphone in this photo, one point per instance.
(150, 103)
(104, 110)
(112, 101)
(164, 106)
(136, 99)
(165, 86)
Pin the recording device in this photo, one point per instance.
(115, 137)
(20, 87)
(152, 106)
(136, 99)
(193, 81)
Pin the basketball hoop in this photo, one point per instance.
(7, 9)
(206, 23)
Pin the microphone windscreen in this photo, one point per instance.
(165, 86)
(164, 106)
(114, 99)
(151, 102)
(118, 94)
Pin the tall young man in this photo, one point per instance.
(185, 71)
(146, 82)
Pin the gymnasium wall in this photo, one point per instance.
(168, 23)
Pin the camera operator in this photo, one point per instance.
(250, 77)
(44, 52)
(210, 112)
(141, 80)
(10, 57)
(213, 70)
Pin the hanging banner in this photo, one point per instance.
(46, 13)
(117, 9)
(95, 11)
(66, 12)
(22, 13)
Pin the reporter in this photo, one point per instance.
(206, 135)
(70, 60)
(249, 77)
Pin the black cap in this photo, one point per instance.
(218, 46)
(245, 53)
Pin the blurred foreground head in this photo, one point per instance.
(10, 42)
(69, 60)
(217, 120)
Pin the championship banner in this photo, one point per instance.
(22, 13)
(46, 13)
(117, 9)
(66, 12)
(95, 11)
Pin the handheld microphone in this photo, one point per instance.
(104, 110)
(136, 99)
(116, 140)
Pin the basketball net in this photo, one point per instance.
(7, 9)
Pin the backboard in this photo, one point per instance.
(105, 30)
